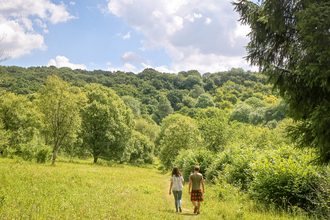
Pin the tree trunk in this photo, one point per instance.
(95, 159)
(54, 156)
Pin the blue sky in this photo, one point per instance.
(127, 35)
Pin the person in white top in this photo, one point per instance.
(176, 186)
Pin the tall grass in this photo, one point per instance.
(81, 190)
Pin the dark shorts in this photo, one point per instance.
(196, 195)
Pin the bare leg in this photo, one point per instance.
(194, 203)
(199, 204)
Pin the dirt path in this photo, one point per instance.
(186, 205)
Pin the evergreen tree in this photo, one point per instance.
(289, 41)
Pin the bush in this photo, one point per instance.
(238, 172)
(321, 197)
(43, 154)
(32, 150)
(233, 166)
(284, 177)
(188, 159)
(220, 161)
(27, 153)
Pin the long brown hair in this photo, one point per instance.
(176, 172)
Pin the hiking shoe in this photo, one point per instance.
(195, 210)
(180, 209)
(198, 213)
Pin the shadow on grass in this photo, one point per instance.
(188, 214)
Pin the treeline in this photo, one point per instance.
(159, 94)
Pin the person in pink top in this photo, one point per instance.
(176, 186)
(196, 194)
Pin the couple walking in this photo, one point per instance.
(195, 181)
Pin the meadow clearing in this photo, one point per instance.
(79, 189)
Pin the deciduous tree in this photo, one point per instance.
(106, 123)
(60, 104)
(182, 134)
(204, 101)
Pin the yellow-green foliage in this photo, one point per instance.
(257, 136)
(285, 176)
(183, 134)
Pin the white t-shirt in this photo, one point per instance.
(177, 183)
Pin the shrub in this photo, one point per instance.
(188, 159)
(34, 150)
(218, 164)
(321, 197)
(238, 172)
(284, 177)
(233, 166)
(27, 152)
(43, 154)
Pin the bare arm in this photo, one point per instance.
(170, 188)
(189, 187)
(203, 186)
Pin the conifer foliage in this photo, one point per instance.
(290, 42)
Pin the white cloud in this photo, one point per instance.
(164, 69)
(197, 15)
(131, 57)
(157, 13)
(177, 27)
(17, 41)
(72, 3)
(161, 69)
(59, 13)
(17, 24)
(242, 31)
(125, 68)
(40, 23)
(44, 9)
(62, 61)
(190, 18)
(146, 65)
(127, 36)
(208, 21)
(207, 63)
(108, 64)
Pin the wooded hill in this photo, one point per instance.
(159, 94)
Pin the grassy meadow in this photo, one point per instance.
(81, 190)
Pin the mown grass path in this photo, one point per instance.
(82, 190)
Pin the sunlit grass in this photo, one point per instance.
(81, 190)
(236, 206)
